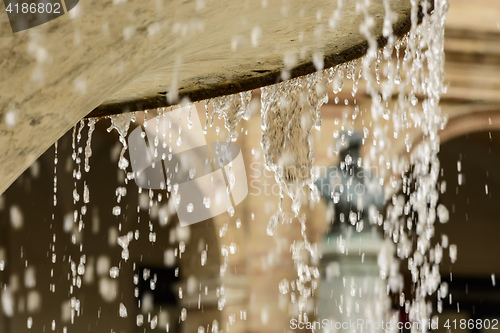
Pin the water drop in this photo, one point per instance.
(123, 311)
(114, 272)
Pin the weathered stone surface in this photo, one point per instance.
(111, 56)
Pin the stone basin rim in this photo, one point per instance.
(255, 81)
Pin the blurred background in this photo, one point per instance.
(228, 273)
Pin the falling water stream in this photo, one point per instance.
(404, 81)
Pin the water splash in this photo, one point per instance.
(88, 147)
(416, 80)
(232, 108)
(121, 123)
